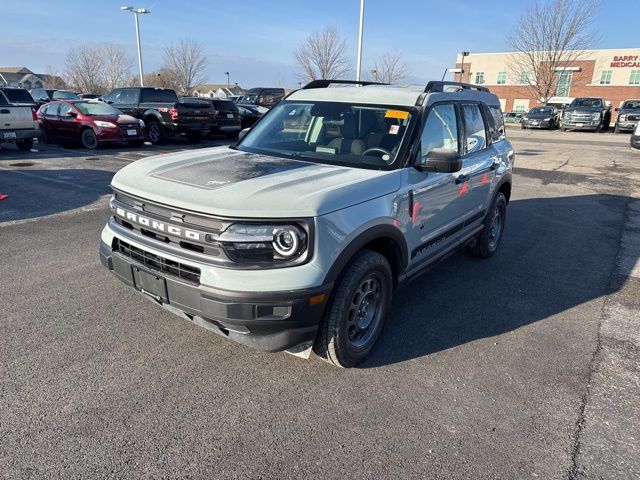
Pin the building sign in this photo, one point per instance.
(626, 61)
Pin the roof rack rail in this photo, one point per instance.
(438, 86)
(326, 83)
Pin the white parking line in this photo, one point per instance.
(54, 180)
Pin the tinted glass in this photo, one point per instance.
(225, 105)
(440, 130)
(541, 111)
(331, 132)
(51, 110)
(39, 93)
(18, 95)
(97, 108)
(3, 100)
(497, 131)
(587, 102)
(475, 134)
(64, 95)
(158, 96)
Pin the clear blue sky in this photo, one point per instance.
(254, 39)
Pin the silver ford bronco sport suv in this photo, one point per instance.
(298, 235)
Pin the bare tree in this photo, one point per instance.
(116, 64)
(187, 62)
(550, 36)
(53, 78)
(389, 68)
(163, 78)
(84, 68)
(322, 55)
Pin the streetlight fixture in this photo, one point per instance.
(228, 82)
(464, 54)
(359, 62)
(374, 72)
(136, 12)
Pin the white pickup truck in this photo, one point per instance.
(18, 121)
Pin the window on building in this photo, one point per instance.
(520, 109)
(605, 77)
(563, 83)
(634, 79)
(479, 78)
(502, 78)
(525, 78)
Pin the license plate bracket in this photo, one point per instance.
(150, 284)
(9, 135)
(132, 132)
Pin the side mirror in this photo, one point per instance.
(441, 160)
(110, 102)
(242, 133)
(72, 114)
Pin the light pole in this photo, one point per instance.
(374, 72)
(136, 12)
(464, 54)
(359, 62)
(228, 82)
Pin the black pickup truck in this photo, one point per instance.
(586, 114)
(163, 114)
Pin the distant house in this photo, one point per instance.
(22, 77)
(217, 90)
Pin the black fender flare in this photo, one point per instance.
(373, 233)
(152, 113)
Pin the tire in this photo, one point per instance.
(564, 129)
(522, 126)
(155, 133)
(136, 143)
(89, 139)
(26, 144)
(350, 326)
(194, 137)
(488, 241)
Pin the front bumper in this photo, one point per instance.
(268, 321)
(627, 126)
(635, 141)
(537, 123)
(7, 136)
(109, 135)
(590, 125)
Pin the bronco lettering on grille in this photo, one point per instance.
(159, 226)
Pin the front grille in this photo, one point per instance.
(633, 118)
(156, 262)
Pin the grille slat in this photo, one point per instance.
(156, 262)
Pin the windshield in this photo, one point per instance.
(249, 98)
(64, 95)
(329, 132)
(587, 102)
(631, 105)
(96, 108)
(541, 111)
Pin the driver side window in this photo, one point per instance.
(440, 130)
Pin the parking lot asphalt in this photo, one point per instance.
(520, 366)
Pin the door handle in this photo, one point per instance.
(4, 110)
(462, 178)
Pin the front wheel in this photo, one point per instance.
(89, 139)
(489, 239)
(355, 317)
(155, 134)
(25, 144)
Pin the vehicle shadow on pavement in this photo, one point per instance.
(34, 193)
(556, 253)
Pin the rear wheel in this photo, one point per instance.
(89, 139)
(25, 144)
(355, 316)
(155, 134)
(489, 239)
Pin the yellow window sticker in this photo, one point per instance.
(401, 114)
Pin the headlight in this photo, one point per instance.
(141, 123)
(595, 116)
(623, 118)
(263, 243)
(102, 124)
(548, 119)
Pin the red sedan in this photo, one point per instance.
(89, 122)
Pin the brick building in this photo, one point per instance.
(611, 74)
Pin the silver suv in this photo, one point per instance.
(298, 235)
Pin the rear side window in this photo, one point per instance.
(497, 128)
(18, 95)
(3, 101)
(39, 94)
(50, 110)
(152, 95)
(475, 131)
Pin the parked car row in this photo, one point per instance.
(582, 114)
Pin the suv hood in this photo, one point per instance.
(229, 183)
